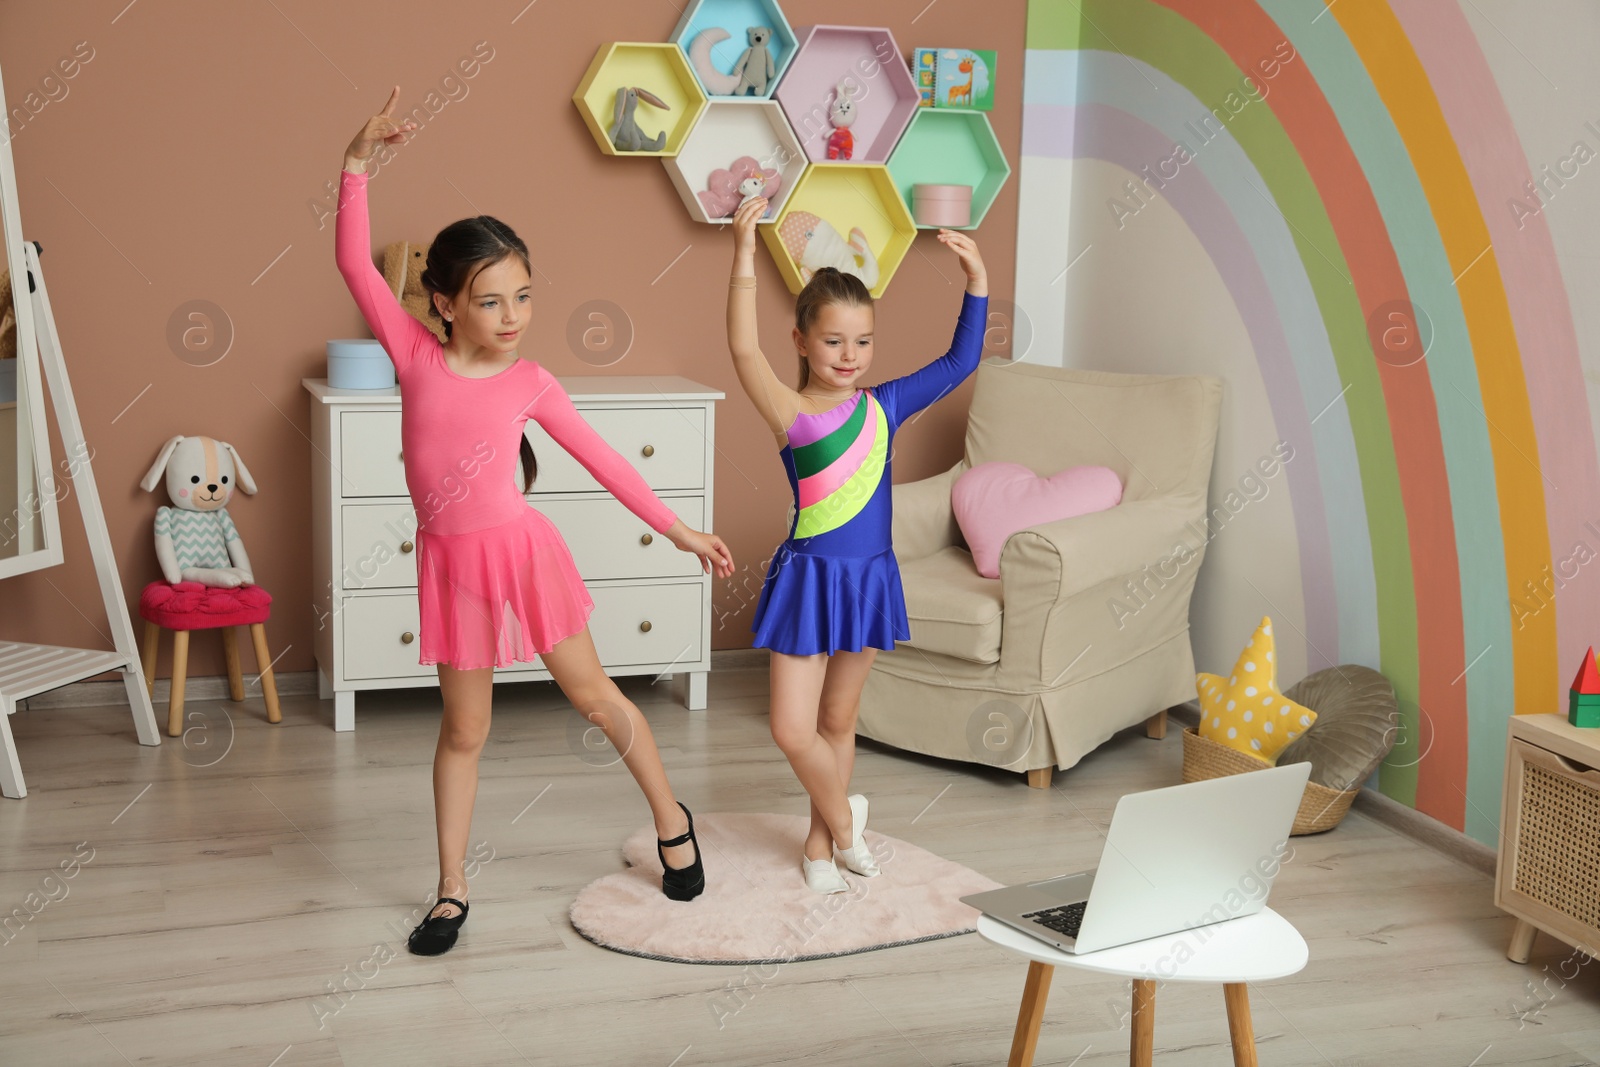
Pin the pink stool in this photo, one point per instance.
(191, 606)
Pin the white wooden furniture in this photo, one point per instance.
(1548, 875)
(1252, 948)
(29, 669)
(652, 602)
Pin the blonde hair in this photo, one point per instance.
(829, 285)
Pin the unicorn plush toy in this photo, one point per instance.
(195, 538)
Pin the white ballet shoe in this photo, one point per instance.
(858, 857)
(822, 876)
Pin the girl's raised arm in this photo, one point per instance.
(777, 403)
(401, 335)
(908, 394)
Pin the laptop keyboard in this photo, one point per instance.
(1063, 920)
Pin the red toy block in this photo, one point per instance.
(1588, 679)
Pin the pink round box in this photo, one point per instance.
(941, 205)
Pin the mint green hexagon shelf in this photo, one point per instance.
(950, 146)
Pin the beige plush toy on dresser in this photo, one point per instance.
(403, 263)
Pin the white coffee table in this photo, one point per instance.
(1254, 948)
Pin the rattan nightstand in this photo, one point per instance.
(1548, 875)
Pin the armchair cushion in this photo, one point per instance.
(994, 500)
(953, 609)
(923, 520)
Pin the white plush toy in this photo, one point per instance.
(752, 187)
(813, 243)
(195, 539)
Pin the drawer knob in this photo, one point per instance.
(649, 450)
(402, 457)
(406, 546)
(644, 627)
(646, 539)
(407, 637)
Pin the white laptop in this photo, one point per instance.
(1174, 859)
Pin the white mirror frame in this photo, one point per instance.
(30, 391)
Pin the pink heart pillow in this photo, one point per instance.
(992, 501)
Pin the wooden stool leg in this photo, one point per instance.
(1040, 777)
(1155, 727)
(1237, 997)
(1521, 941)
(269, 688)
(1142, 1043)
(230, 653)
(152, 644)
(1034, 993)
(180, 669)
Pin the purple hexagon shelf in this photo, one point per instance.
(865, 57)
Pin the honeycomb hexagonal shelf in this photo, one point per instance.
(657, 67)
(730, 130)
(951, 146)
(726, 23)
(867, 56)
(847, 196)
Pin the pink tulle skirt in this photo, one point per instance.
(502, 595)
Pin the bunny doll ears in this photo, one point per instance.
(157, 469)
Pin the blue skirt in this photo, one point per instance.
(813, 603)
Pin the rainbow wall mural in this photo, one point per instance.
(1353, 175)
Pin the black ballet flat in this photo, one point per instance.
(682, 883)
(435, 934)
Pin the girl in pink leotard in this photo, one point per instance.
(495, 581)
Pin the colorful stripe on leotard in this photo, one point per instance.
(839, 471)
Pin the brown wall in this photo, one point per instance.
(186, 155)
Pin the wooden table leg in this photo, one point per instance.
(152, 643)
(1521, 941)
(1237, 997)
(1034, 993)
(230, 655)
(1142, 1044)
(269, 687)
(180, 671)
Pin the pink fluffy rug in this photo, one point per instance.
(756, 907)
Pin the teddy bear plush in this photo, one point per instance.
(195, 539)
(755, 68)
(403, 264)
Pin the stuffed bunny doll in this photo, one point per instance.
(195, 539)
(842, 113)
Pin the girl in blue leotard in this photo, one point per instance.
(832, 595)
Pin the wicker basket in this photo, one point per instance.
(1321, 808)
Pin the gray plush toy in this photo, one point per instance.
(625, 132)
(755, 68)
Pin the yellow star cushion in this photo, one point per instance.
(1245, 711)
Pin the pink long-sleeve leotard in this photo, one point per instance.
(496, 583)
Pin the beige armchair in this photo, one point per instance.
(1086, 631)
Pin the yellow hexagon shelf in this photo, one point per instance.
(660, 69)
(847, 197)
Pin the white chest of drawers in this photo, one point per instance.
(652, 602)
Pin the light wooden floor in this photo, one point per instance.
(217, 909)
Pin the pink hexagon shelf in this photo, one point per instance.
(864, 57)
